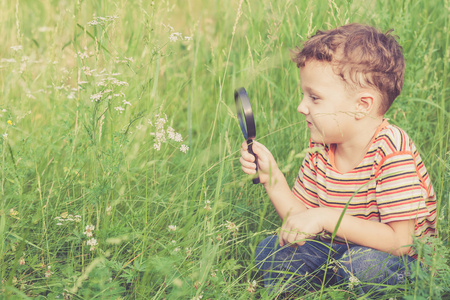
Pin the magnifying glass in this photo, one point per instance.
(246, 121)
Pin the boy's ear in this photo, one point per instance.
(365, 105)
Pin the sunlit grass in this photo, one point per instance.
(171, 224)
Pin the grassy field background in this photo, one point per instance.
(119, 142)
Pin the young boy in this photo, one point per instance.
(349, 77)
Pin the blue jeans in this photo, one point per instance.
(361, 269)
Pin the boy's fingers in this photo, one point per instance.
(244, 145)
(283, 237)
(248, 171)
(247, 164)
(247, 156)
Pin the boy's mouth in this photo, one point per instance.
(310, 125)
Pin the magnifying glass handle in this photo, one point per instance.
(250, 150)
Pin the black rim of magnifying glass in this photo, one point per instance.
(249, 131)
(243, 104)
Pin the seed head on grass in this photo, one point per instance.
(251, 286)
(207, 205)
(102, 21)
(48, 273)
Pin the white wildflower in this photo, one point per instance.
(92, 242)
(174, 36)
(171, 133)
(188, 38)
(178, 138)
(58, 224)
(77, 218)
(7, 60)
(96, 97)
(184, 148)
(89, 230)
(126, 102)
(16, 48)
(83, 55)
(120, 109)
(353, 281)
(172, 227)
(160, 136)
(157, 146)
(207, 205)
(102, 20)
(5, 135)
(87, 71)
(108, 210)
(159, 124)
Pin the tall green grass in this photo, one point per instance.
(63, 154)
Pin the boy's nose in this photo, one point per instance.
(302, 108)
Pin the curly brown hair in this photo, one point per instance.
(361, 55)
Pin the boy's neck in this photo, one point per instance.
(349, 154)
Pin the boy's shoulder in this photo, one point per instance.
(391, 139)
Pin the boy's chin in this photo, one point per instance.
(318, 139)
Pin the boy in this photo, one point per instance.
(349, 77)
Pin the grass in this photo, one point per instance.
(63, 154)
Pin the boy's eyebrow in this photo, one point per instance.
(309, 90)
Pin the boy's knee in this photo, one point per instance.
(369, 265)
(266, 247)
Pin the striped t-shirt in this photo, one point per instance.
(390, 184)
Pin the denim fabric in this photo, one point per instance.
(361, 269)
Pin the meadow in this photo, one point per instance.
(119, 142)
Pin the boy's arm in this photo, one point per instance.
(273, 180)
(393, 237)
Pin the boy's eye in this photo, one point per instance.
(314, 98)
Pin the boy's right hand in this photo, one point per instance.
(267, 166)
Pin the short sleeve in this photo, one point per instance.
(305, 186)
(398, 191)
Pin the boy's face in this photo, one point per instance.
(328, 104)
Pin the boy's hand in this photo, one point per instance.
(301, 226)
(267, 166)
